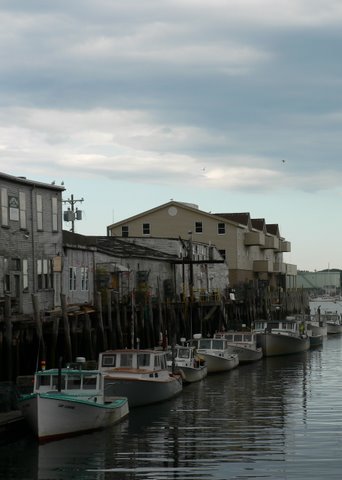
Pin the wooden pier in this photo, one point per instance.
(86, 330)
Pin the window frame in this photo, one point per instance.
(199, 227)
(221, 226)
(72, 279)
(4, 207)
(54, 214)
(146, 229)
(39, 211)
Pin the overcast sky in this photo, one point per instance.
(234, 105)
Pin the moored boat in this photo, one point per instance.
(282, 337)
(333, 322)
(183, 359)
(141, 375)
(216, 353)
(244, 344)
(315, 340)
(69, 401)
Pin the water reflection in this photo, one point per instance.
(279, 418)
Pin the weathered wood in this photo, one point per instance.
(118, 326)
(66, 328)
(54, 339)
(41, 355)
(109, 318)
(88, 344)
(101, 333)
(8, 338)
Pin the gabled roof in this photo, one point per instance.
(259, 224)
(114, 246)
(273, 229)
(241, 218)
(186, 206)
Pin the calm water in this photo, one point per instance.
(280, 418)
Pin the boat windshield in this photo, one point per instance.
(109, 360)
(160, 362)
(204, 343)
(126, 360)
(218, 344)
(74, 382)
(143, 360)
(183, 353)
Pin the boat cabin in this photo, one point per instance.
(67, 380)
(287, 326)
(216, 344)
(152, 360)
(182, 355)
(247, 338)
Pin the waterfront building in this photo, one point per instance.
(252, 249)
(30, 242)
(164, 268)
(328, 282)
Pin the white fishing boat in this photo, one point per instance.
(282, 337)
(333, 321)
(141, 375)
(244, 344)
(317, 325)
(216, 354)
(68, 401)
(183, 359)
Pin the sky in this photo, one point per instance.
(233, 105)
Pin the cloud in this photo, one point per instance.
(158, 91)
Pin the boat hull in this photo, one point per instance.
(246, 354)
(193, 374)
(334, 328)
(317, 329)
(53, 415)
(316, 340)
(273, 344)
(145, 391)
(216, 364)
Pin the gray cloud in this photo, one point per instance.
(156, 90)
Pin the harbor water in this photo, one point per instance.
(278, 418)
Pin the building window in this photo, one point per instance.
(72, 278)
(54, 212)
(25, 274)
(4, 207)
(221, 228)
(39, 212)
(198, 227)
(146, 229)
(22, 209)
(223, 254)
(15, 264)
(124, 231)
(84, 278)
(40, 274)
(13, 203)
(44, 273)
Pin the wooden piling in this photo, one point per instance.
(66, 328)
(55, 330)
(101, 333)
(8, 338)
(41, 354)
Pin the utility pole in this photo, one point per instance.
(71, 214)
